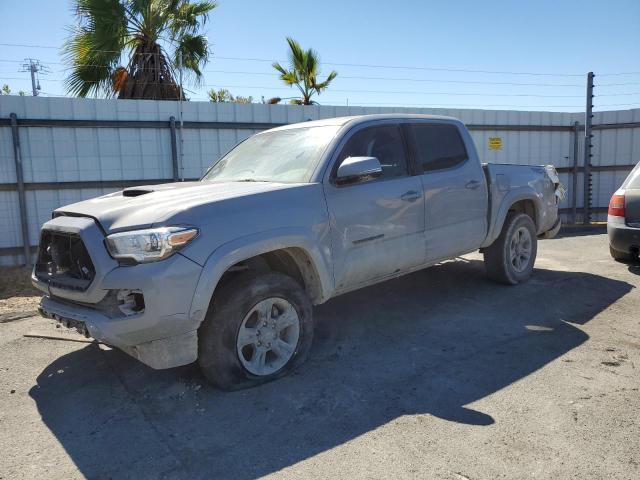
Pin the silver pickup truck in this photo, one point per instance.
(225, 270)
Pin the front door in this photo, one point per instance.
(377, 227)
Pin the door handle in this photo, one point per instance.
(410, 196)
(472, 185)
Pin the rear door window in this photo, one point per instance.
(437, 147)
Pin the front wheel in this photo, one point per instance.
(511, 257)
(257, 329)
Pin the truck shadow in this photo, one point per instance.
(431, 343)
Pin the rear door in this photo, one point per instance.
(455, 189)
(377, 227)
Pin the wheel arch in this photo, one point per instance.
(517, 201)
(291, 252)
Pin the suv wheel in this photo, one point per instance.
(257, 329)
(619, 256)
(511, 257)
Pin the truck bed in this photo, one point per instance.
(507, 183)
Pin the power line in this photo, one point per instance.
(362, 77)
(392, 92)
(400, 67)
(616, 74)
(616, 84)
(452, 105)
(26, 46)
(403, 67)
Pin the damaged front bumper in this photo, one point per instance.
(173, 351)
(154, 327)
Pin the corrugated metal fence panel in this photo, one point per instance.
(613, 147)
(58, 154)
(54, 154)
(69, 154)
(202, 147)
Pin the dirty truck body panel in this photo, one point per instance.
(429, 203)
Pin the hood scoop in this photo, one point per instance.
(136, 191)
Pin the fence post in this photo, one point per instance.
(574, 175)
(17, 157)
(174, 148)
(587, 150)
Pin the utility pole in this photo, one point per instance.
(34, 67)
(181, 117)
(586, 219)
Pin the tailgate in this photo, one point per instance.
(632, 206)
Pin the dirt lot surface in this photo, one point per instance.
(439, 374)
(18, 298)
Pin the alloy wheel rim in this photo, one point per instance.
(520, 248)
(268, 336)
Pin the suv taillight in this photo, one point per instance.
(616, 206)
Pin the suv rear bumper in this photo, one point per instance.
(622, 237)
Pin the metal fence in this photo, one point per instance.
(55, 151)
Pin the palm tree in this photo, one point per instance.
(303, 72)
(153, 36)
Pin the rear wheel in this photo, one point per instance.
(511, 257)
(619, 256)
(258, 328)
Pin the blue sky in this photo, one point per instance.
(562, 38)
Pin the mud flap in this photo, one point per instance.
(552, 232)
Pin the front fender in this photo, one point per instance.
(509, 199)
(250, 246)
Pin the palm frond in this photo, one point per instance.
(303, 71)
(153, 33)
(195, 53)
(319, 87)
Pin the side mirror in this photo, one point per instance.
(358, 170)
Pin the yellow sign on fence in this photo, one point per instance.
(495, 143)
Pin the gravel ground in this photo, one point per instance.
(439, 374)
(18, 298)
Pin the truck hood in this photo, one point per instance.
(144, 206)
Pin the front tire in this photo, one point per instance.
(258, 328)
(510, 258)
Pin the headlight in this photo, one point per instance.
(149, 245)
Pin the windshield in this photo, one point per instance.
(288, 156)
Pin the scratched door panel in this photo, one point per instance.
(374, 231)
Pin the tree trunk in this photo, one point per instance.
(149, 75)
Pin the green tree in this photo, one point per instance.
(219, 96)
(6, 90)
(304, 66)
(224, 95)
(152, 36)
(240, 99)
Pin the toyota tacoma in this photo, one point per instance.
(225, 270)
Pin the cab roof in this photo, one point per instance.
(357, 119)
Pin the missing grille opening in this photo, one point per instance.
(63, 261)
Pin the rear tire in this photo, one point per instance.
(619, 256)
(510, 258)
(258, 328)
